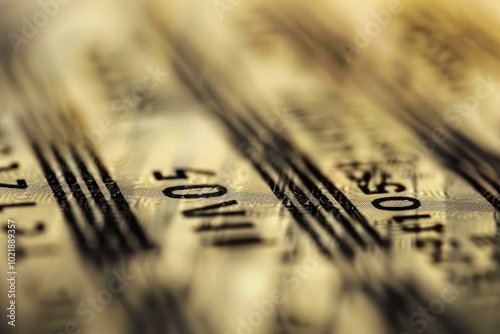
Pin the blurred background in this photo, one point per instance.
(226, 166)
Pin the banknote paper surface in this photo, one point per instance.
(249, 167)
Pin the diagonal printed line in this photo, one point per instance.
(110, 222)
(287, 153)
(83, 203)
(120, 201)
(59, 194)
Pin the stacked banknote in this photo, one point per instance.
(245, 166)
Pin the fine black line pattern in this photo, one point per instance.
(60, 196)
(111, 225)
(82, 201)
(121, 202)
(286, 150)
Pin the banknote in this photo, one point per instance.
(249, 167)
